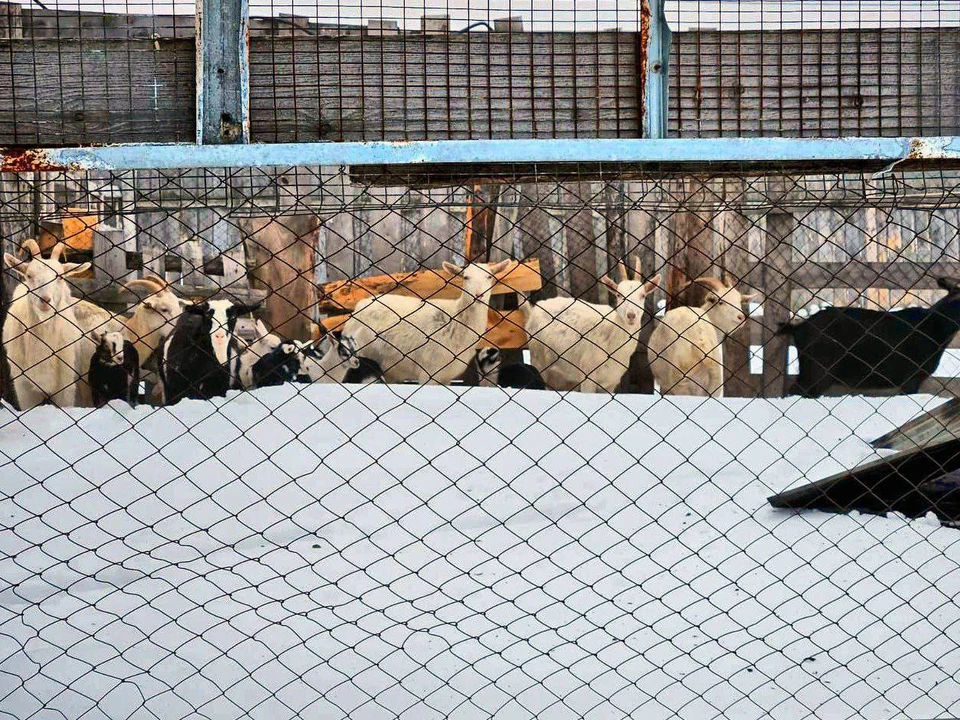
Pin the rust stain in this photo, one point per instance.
(642, 52)
(920, 148)
(21, 160)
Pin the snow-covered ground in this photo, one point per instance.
(433, 552)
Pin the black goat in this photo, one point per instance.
(114, 372)
(520, 376)
(862, 349)
(281, 365)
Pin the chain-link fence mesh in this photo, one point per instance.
(401, 451)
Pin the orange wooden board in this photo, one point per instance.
(343, 295)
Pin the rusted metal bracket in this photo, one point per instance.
(223, 72)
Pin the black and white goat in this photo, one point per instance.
(328, 361)
(201, 353)
(520, 376)
(114, 372)
(360, 370)
(859, 349)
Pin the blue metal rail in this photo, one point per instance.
(770, 151)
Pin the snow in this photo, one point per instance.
(426, 552)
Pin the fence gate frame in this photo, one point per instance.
(223, 128)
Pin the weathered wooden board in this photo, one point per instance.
(898, 81)
(66, 92)
(56, 89)
(457, 86)
(941, 423)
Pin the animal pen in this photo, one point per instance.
(451, 267)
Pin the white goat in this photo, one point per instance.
(41, 334)
(427, 341)
(576, 345)
(153, 318)
(685, 349)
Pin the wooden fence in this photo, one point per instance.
(68, 78)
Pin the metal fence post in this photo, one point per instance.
(655, 80)
(223, 72)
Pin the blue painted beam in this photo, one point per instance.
(446, 152)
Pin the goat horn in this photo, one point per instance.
(31, 246)
(622, 269)
(57, 251)
(156, 280)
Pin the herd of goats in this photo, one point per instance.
(71, 352)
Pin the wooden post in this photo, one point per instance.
(281, 255)
(581, 234)
(110, 258)
(223, 72)
(735, 236)
(656, 33)
(777, 289)
(692, 250)
(11, 21)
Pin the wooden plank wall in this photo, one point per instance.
(812, 83)
(102, 78)
(439, 87)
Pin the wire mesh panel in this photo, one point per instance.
(385, 460)
(76, 73)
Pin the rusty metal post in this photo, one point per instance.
(223, 72)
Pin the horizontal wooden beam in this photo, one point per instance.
(343, 295)
(96, 292)
(859, 275)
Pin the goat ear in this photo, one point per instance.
(262, 331)
(651, 285)
(499, 267)
(451, 268)
(609, 283)
(749, 296)
(74, 269)
(16, 264)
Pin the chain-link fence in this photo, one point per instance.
(401, 450)
(560, 426)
